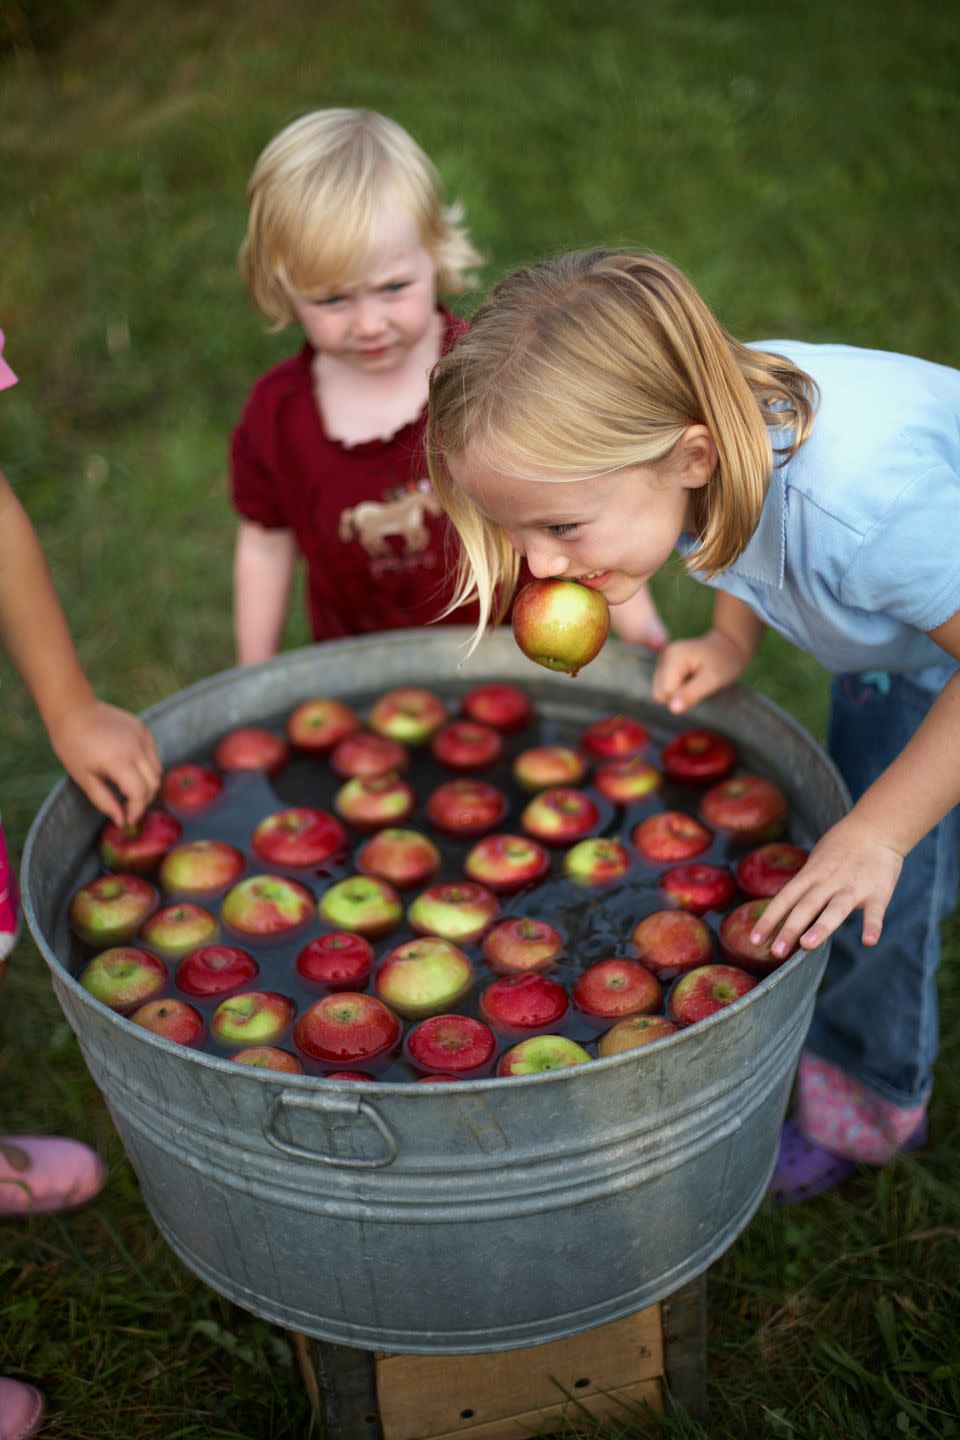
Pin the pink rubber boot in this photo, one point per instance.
(40, 1174)
(21, 1409)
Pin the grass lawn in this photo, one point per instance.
(801, 165)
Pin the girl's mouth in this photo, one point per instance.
(595, 580)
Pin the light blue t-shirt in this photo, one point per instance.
(857, 551)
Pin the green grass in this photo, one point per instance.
(801, 165)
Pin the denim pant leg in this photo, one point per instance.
(876, 1015)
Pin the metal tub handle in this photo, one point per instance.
(331, 1109)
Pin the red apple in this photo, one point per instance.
(363, 904)
(671, 835)
(506, 863)
(110, 909)
(250, 747)
(466, 745)
(266, 907)
(299, 838)
(435, 1079)
(598, 861)
(190, 788)
(254, 1017)
(409, 714)
(404, 857)
(737, 948)
(124, 977)
(634, 1031)
(704, 991)
(544, 765)
(626, 781)
(615, 737)
(560, 624)
(616, 987)
(177, 929)
(466, 807)
(139, 847)
(459, 911)
(315, 726)
(539, 1053)
(173, 1019)
(517, 1004)
(423, 977)
(560, 816)
(505, 707)
(698, 887)
(451, 1044)
(668, 942)
(215, 969)
(341, 961)
(346, 1027)
(347, 1075)
(521, 944)
(201, 867)
(268, 1057)
(698, 757)
(764, 872)
(366, 755)
(370, 803)
(748, 808)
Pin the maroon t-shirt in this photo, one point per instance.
(380, 553)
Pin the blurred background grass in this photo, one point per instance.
(800, 164)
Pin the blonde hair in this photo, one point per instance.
(314, 198)
(597, 361)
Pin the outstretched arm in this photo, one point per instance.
(263, 568)
(95, 742)
(690, 670)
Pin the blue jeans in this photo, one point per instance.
(876, 1015)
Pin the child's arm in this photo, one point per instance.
(638, 622)
(94, 742)
(263, 567)
(690, 670)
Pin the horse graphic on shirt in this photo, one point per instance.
(373, 521)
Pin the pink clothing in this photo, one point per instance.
(9, 902)
(847, 1118)
(7, 377)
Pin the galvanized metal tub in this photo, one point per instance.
(437, 1218)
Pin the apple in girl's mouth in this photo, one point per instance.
(560, 624)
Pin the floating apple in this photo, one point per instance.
(365, 755)
(172, 1019)
(190, 788)
(459, 911)
(704, 991)
(560, 624)
(698, 887)
(268, 1057)
(409, 714)
(341, 961)
(110, 909)
(627, 781)
(371, 802)
(541, 1052)
(616, 987)
(139, 847)
(340, 1029)
(505, 707)
(698, 757)
(215, 969)
(316, 725)
(299, 837)
(633, 1031)
(597, 861)
(266, 907)
(451, 1045)
(363, 904)
(404, 857)
(545, 765)
(423, 977)
(124, 977)
(250, 747)
(521, 944)
(515, 1004)
(669, 836)
(201, 867)
(737, 948)
(466, 745)
(560, 816)
(668, 942)
(435, 1079)
(615, 737)
(764, 872)
(748, 808)
(466, 807)
(506, 863)
(348, 1075)
(254, 1017)
(177, 929)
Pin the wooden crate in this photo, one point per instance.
(654, 1358)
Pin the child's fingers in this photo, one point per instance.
(674, 667)
(99, 793)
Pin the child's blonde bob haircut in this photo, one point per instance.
(595, 362)
(315, 195)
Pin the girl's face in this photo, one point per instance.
(612, 532)
(374, 321)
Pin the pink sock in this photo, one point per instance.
(848, 1118)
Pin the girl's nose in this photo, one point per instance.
(545, 559)
(367, 317)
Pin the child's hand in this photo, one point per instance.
(851, 868)
(637, 622)
(690, 670)
(97, 743)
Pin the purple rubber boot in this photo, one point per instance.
(805, 1169)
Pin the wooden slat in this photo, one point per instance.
(685, 1347)
(623, 1405)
